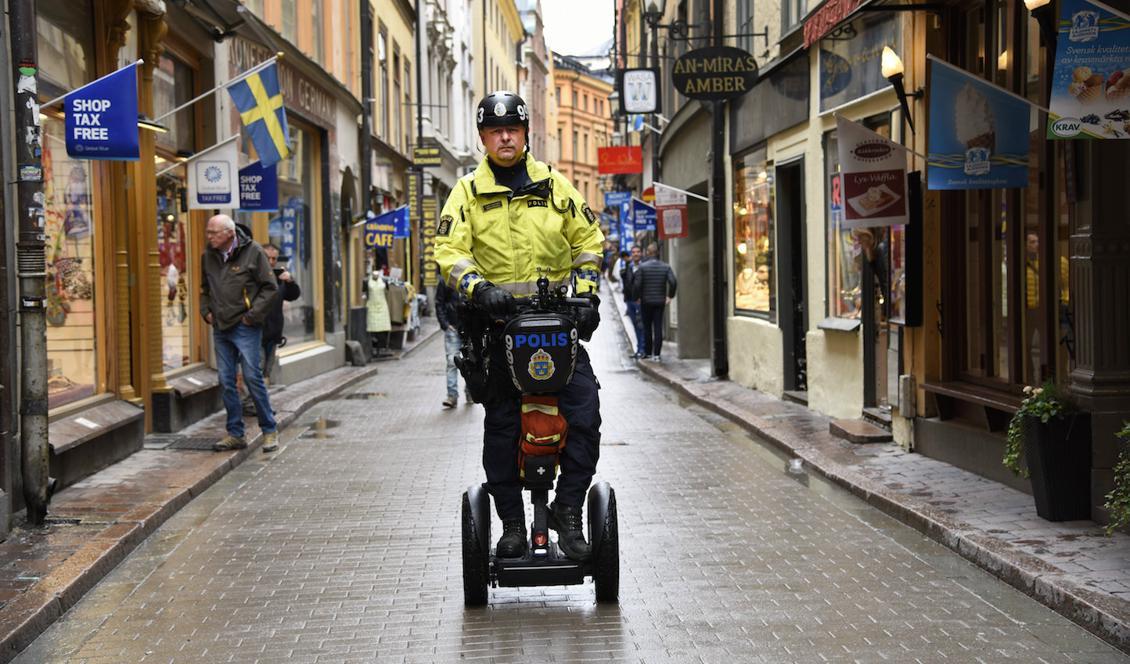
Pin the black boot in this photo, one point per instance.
(512, 544)
(566, 521)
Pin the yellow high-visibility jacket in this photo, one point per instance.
(546, 227)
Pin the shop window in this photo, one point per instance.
(294, 231)
(173, 85)
(754, 239)
(173, 251)
(848, 249)
(1014, 277)
(70, 228)
(65, 43)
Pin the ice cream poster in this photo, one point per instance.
(1091, 84)
(874, 177)
(978, 132)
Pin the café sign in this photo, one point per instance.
(715, 73)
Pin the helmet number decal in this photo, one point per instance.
(522, 112)
(482, 111)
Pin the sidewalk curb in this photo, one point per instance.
(26, 617)
(1103, 615)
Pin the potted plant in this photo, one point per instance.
(1055, 440)
(1118, 500)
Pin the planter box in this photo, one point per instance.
(1059, 463)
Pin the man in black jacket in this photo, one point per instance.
(654, 284)
(289, 291)
(629, 265)
(235, 296)
(447, 313)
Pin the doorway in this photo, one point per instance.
(792, 272)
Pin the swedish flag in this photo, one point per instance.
(260, 105)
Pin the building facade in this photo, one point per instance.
(534, 77)
(930, 329)
(584, 123)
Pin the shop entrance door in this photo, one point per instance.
(791, 267)
(880, 337)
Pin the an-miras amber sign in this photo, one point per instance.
(715, 73)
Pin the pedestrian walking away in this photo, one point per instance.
(629, 266)
(654, 285)
(236, 296)
(447, 313)
(511, 221)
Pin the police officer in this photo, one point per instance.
(505, 224)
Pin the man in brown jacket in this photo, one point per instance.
(235, 297)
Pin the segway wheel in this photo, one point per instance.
(476, 558)
(605, 538)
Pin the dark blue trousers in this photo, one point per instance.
(580, 404)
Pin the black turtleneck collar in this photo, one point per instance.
(512, 177)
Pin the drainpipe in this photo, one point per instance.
(31, 260)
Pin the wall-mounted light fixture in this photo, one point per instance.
(893, 72)
(1044, 13)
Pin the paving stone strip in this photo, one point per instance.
(93, 525)
(1071, 567)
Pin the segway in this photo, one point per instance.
(541, 350)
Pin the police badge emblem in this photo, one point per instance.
(500, 109)
(541, 365)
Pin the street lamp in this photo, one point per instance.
(893, 72)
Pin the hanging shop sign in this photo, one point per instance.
(425, 156)
(670, 212)
(643, 216)
(101, 118)
(873, 177)
(849, 68)
(978, 132)
(213, 178)
(380, 230)
(620, 160)
(402, 228)
(627, 233)
(639, 91)
(614, 199)
(1091, 85)
(715, 73)
(259, 188)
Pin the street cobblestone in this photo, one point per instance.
(344, 546)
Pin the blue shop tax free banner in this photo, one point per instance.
(644, 216)
(978, 132)
(259, 188)
(101, 118)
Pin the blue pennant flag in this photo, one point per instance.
(400, 222)
(643, 216)
(260, 104)
(101, 118)
(979, 136)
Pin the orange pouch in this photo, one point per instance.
(544, 428)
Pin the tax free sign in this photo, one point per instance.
(101, 118)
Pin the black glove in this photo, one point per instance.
(492, 299)
(588, 318)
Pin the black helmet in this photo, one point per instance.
(502, 108)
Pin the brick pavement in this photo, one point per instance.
(93, 525)
(344, 547)
(1073, 567)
